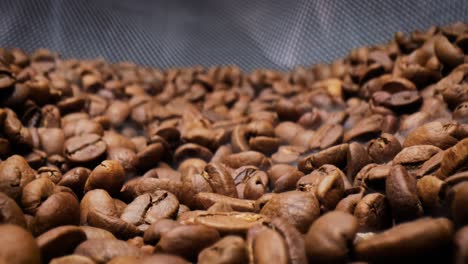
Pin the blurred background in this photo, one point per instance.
(249, 33)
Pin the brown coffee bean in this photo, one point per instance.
(15, 131)
(329, 236)
(204, 200)
(161, 259)
(349, 202)
(109, 176)
(52, 140)
(384, 148)
(365, 129)
(287, 154)
(460, 113)
(85, 149)
(373, 213)
(61, 208)
(252, 158)
(283, 177)
(187, 240)
(408, 241)
(35, 193)
(229, 250)
(116, 140)
(299, 208)
(15, 173)
(326, 136)
(75, 179)
(454, 159)
(326, 183)
(448, 53)
(97, 209)
(400, 188)
(412, 158)
(219, 179)
(429, 189)
(60, 241)
(250, 182)
(103, 250)
(72, 259)
(461, 246)
(141, 185)
(260, 240)
(96, 233)
(227, 222)
(335, 156)
(155, 230)
(14, 240)
(150, 155)
(286, 131)
(356, 158)
(118, 112)
(439, 134)
(149, 208)
(430, 166)
(10, 212)
(456, 198)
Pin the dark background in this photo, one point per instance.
(249, 33)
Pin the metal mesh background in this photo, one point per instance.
(249, 33)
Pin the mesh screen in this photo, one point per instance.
(249, 33)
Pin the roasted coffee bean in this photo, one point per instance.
(384, 148)
(18, 246)
(329, 236)
(460, 114)
(187, 240)
(149, 208)
(51, 140)
(97, 209)
(227, 222)
(96, 233)
(10, 212)
(283, 177)
(219, 179)
(326, 183)
(407, 242)
(335, 156)
(60, 241)
(412, 158)
(429, 192)
(15, 174)
(251, 183)
(72, 259)
(299, 208)
(85, 149)
(260, 239)
(461, 245)
(456, 198)
(400, 188)
(356, 158)
(373, 213)
(109, 176)
(252, 158)
(204, 200)
(439, 134)
(155, 230)
(229, 250)
(103, 250)
(75, 179)
(454, 159)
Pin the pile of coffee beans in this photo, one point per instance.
(364, 160)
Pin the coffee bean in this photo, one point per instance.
(149, 208)
(187, 240)
(75, 179)
(418, 239)
(155, 230)
(109, 176)
(401, 192)
(15, 239)
(103, 250)
(299, 208)
(439, 134)
(85, 149)
(335, 156)
(252, 158)
(59, 241)
(460, 114)
(384, 148)
(73, 259)
(461, 244)
(412, 158)
(204, 200)
(10, 212)
(454, 159)
(228, 222)
(329, 236)
(97, 209)
(260, 239)
(15, 174)
(230, 249)
(373, 213)
(283, 177)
